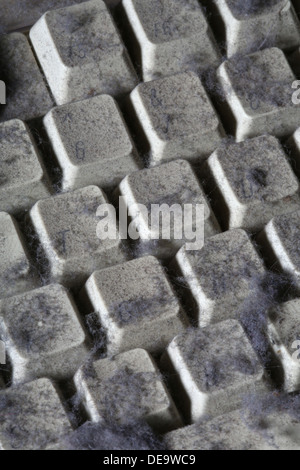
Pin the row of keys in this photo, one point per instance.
(36, 410)
(211, 375)
(261, 185)
(79, 62)
(236, 431)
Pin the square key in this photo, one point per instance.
(136, 305)
(91, 143)
(31, 416)
(173, 183)
(177, 118)
(251, 182)
(43, 334)
(284, 339)
(16, 274)
(220, 275)
(280, 244)
(27, 96)
(23, 180)
(127, 388)
(172, 35)
(258, 92)
(67, 229)
(217, 368)
(81, 52)
(252, 25)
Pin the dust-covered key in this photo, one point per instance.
(279, 241)
(81, 52)
(220, 276)
(125, 389)
(213, 369)
(32, 416)
(43, 334)
(16, 271)
(68, 233)
(177, 118)
(26, 94)
(250, 182)
(253, 25)
(136, 305)
(170, 190)
(23, 179)
(257, 95)
(91, 143)
(171, 35)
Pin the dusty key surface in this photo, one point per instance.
(133, 375)
(16, 273)
(43, 334)
(66, 226)
(23, 179)
(250, 26)
(136, 305)
(258, 91)
(221, 275)
(279, 240)
(213, 372)
(251, 182)
(177, 118)
(27, 96)
(174, 184)
(284, 335)
(32, 416)
(91, 143)
(81, 52)
(172, 35)
(236, 431)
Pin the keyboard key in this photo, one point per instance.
(43, 334)
(216, 367)
(126, 388)
(177, 118)
(27, 95)
(91, 143)
(284, 335)
(279, 240)
(250, 26)
(31, 417)
(233, 431)
(171, 183)
(251, 182)
(221, 275)
(136, 305)
(22, 178)
(66, 226)
(81, 52)
(258, 90)
(16, 273)
(172, 35)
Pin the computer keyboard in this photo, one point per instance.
(119, 341)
